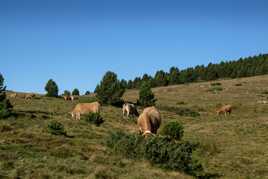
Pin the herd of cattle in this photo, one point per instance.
(148, 121)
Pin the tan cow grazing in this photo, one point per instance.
(85, 108)
(129, 109)
(149, 121)
(67, 98)
(29, 96)
(13, 95)
(73, 97)
(224, 110)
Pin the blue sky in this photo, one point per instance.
(75, 42)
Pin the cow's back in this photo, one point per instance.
(84, 108)
(149, 120)
(155, 118)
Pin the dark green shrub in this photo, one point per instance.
(129, 145)
(94, 118)
(161, 151)
(110, 90)
(215, 84)
(146, 96)
(181, 103)
(169, 154)
(265, 92)
(238, 84)
(56, 128)
(51, 88)
(5, 105)
(5, 128)
(173, 129)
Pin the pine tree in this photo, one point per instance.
(66, 93)
(51, 88)
(76, 92)
(110, 90)
(5, 106)
(124, 83)
(147, 78)
(87, 93)
(130, 84)
(146, 96)
(174, 76)
(161, 78)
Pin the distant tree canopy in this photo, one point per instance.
(51, 88)
(66, 93)
(110, 90)
(87, 93)
(146, 96)
(244, 67)
(5, 105)
(76, 92)
(1, 80)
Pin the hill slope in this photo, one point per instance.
(235, 146)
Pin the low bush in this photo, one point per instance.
(169, 154)
(94, 118)
(173, 129)
(56, 128)
(161, 151)
(182, 111)
(215, 84)
(238, 84)
(5, 128)
(129, 145)
(265, 92)
(181, 103)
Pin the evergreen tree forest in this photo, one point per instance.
(244, 67)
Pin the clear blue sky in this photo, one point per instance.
(75, 42)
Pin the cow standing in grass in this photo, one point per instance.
(149, 121)
(73, 97)
(29, 96)
(67, 98)
(224, 110)
(129, 109)
(13, 95)
(85, 108)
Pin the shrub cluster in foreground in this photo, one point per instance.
(162, 151)
(94, 118)
(173, 129)
(56, 128)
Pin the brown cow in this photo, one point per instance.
(13, 95)
(129, 109)
(29, 96)
(224, 110)
(85, 108)
(149, 121)
(67, 98)
(74, 97)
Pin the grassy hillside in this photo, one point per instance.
(234, 147)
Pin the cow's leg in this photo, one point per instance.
(78, 116)
(124, 113)
(128, 114)
(73, 115)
